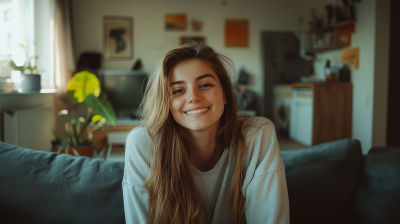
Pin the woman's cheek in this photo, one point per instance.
(176, 106)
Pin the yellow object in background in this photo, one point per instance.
(351, 55)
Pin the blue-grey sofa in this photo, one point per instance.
(328, 183)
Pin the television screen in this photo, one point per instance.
(124, 89)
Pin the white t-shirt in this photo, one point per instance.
(264, 185)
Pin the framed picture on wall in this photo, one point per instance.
(118, 42)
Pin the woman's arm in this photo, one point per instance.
(136, 169)
(135, 203)
(264, 187)
(267, 199)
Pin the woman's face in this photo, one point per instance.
(196, 96)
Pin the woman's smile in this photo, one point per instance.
(197, 111)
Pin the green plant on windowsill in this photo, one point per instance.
(30, 65)
(84, 87)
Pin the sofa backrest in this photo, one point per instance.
(378, 196)
(322, 181)
(43, 187)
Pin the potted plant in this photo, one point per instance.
(30, 77)
(84, 87)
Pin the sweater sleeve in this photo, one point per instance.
(137, 162)
(267, 199)
(264, 186)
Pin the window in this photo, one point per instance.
(15, 18)
(7, 15)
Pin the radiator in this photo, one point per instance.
(29, 127)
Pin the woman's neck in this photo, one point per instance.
(204, 153)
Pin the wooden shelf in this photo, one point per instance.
(348, 26)
(324, 48)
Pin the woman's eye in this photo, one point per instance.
(177, 91)
(205, 85)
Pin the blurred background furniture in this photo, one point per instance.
(313, 113)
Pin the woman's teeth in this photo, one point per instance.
(197, 111)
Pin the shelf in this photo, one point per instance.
(324, 48)
(344, 23)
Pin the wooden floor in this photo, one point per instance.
(286, 143)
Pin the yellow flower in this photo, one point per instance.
(96, 118)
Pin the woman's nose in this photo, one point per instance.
(194, 97)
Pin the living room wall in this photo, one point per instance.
(151, 41)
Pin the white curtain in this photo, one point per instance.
(63, 60)
(63, 48)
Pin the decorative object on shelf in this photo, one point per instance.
(344, 74)
(236, 33)
(84, 87)
(118, 37)
(244, 97)
(330, 74)
(351, 55)
(346, 11)
(191, 38)
(175, 21)
(30, 75)
(197, 25)
(6, 85)
(138, 65)
(337, 30)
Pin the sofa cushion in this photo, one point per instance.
(322, 181)
(378, 197)
(44, 187)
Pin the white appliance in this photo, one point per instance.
(301, 116)
(29, 127)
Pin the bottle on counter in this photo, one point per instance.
(330, 72)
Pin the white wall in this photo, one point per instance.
(151, 41)
(370, 80)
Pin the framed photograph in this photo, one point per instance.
(175, 22)
(118, 42)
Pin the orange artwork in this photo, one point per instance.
(175, 21)
(237, 33)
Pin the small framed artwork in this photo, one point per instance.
(175, 21)
(118, 37)
(236, 33)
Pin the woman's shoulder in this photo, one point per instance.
(138, 140)
(137, 155)
(261, 143)
(253, 125)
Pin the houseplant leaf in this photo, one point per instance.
(71, 97)
(15, 67)
(103, 107)
(84, 84)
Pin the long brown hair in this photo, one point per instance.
(172, 193)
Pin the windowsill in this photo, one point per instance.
(42, 91)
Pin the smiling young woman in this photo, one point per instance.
(194, 160)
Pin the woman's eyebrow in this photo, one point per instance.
(177, 82)
(197, 79)
(204, 76)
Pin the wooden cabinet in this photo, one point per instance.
(118, 135)
(320, 112)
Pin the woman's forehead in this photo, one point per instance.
(190, 70)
